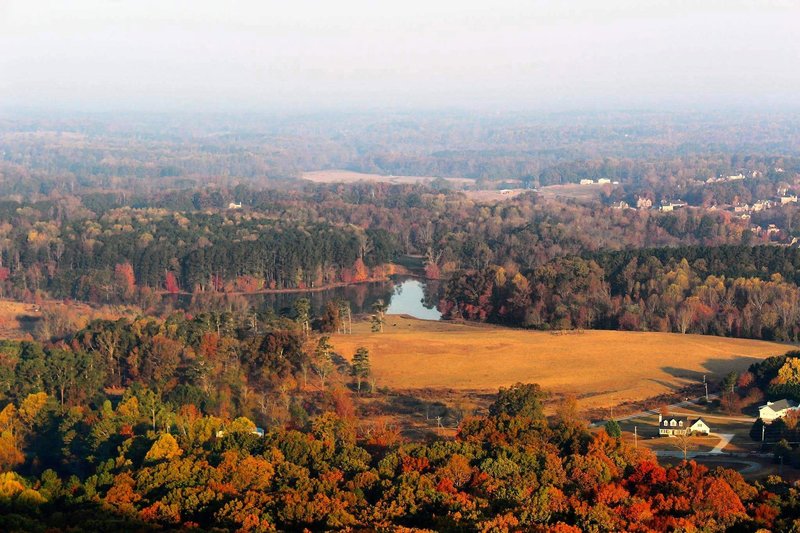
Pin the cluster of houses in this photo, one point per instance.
(600, 181)
(735, 177)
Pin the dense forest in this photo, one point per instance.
(76, 246)
(730, 291)
(165, 453)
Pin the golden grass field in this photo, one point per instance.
(603, 368)
(17, 319)
(347, 176)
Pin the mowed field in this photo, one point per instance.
(347, 176)
(573, 191)
(603, 368)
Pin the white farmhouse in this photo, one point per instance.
(774, 410)
(676, 425)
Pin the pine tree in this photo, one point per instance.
(360, 366)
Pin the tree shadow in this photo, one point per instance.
(669, 385)
(342, 365)
(27, 323)
(62, 516)
(715, 370)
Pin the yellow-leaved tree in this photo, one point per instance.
(164, 448)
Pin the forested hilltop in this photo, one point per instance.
(149, 424)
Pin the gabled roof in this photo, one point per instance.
(780, 405)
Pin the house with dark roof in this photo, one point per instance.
(671, 426)
(773, 410)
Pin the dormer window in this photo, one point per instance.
(680, 423)
(666, 423)
(672, 423)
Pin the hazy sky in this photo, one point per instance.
(229, 54)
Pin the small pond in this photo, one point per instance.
(404, 295)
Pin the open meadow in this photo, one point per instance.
(348, 176)
(573, 191)
(602, 368)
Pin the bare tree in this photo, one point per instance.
(683, 442)
(685, 316)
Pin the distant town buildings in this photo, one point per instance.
(733, 177)
(668, 205)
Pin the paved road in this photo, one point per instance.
(671, 408)
(721, 417)
(751, 468)
(725, 439)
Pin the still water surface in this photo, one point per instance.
(408, 296)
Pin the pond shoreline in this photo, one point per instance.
(320, 288)
(402, 293)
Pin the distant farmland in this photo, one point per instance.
(347, 176)
(604, 368)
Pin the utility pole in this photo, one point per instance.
(763, 430)
(636, 437)
(706, 384)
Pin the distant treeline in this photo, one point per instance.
(82, 154)
(125, 250)
(731, 291)
(730, 261)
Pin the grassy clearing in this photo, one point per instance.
(603, 368)
(573, 191)
(347, 176)
(18, 320)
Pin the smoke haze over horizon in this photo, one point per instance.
(355, 54)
